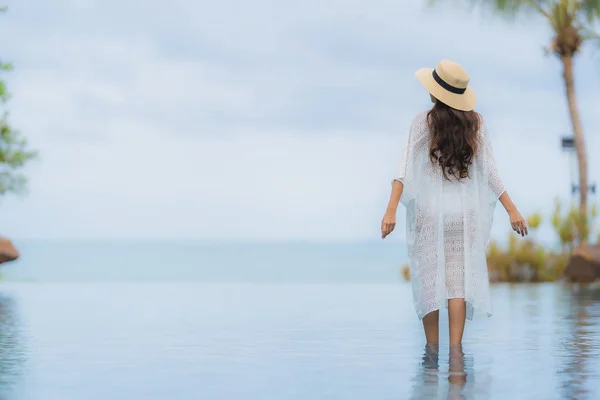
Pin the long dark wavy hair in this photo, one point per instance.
(453, 139)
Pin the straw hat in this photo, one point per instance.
(448, 83)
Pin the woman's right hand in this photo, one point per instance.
(517, 222)
(388, 223)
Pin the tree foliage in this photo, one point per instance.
(528, 260)
(14, 150)
(572, 21)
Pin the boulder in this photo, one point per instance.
(8, 252)
(584, 265)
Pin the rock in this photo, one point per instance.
(8, 252)
(589, 251)
(406, 273)
(584, 265)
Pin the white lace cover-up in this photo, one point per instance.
(447, 223)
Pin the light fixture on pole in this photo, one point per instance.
(568, 146)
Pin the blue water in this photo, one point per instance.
(85, 261)
(271, 322)
(287, 341)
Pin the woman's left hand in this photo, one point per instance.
(388, 224)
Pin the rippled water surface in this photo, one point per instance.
(219, 341)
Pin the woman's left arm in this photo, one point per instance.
(389, 219)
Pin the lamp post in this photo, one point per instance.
(568, 146)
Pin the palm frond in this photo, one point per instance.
(506, 6)
(543, 7)
(590, 35)
(561, 13)
(590, 9)
(509, 8)
(592, 39)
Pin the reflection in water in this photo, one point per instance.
(456, 371)
(580, 345)
(427, 379)
(12, 353)
(131, 343)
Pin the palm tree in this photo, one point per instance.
(571, 22)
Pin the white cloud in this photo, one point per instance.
(263, 120)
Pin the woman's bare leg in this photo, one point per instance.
(457, 313)
(431, 325)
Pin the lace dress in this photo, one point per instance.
(447, 224)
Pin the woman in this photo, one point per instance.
(448, 181)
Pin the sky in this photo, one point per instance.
(264, 120)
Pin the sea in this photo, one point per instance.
(186, 261)
(181, 320)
